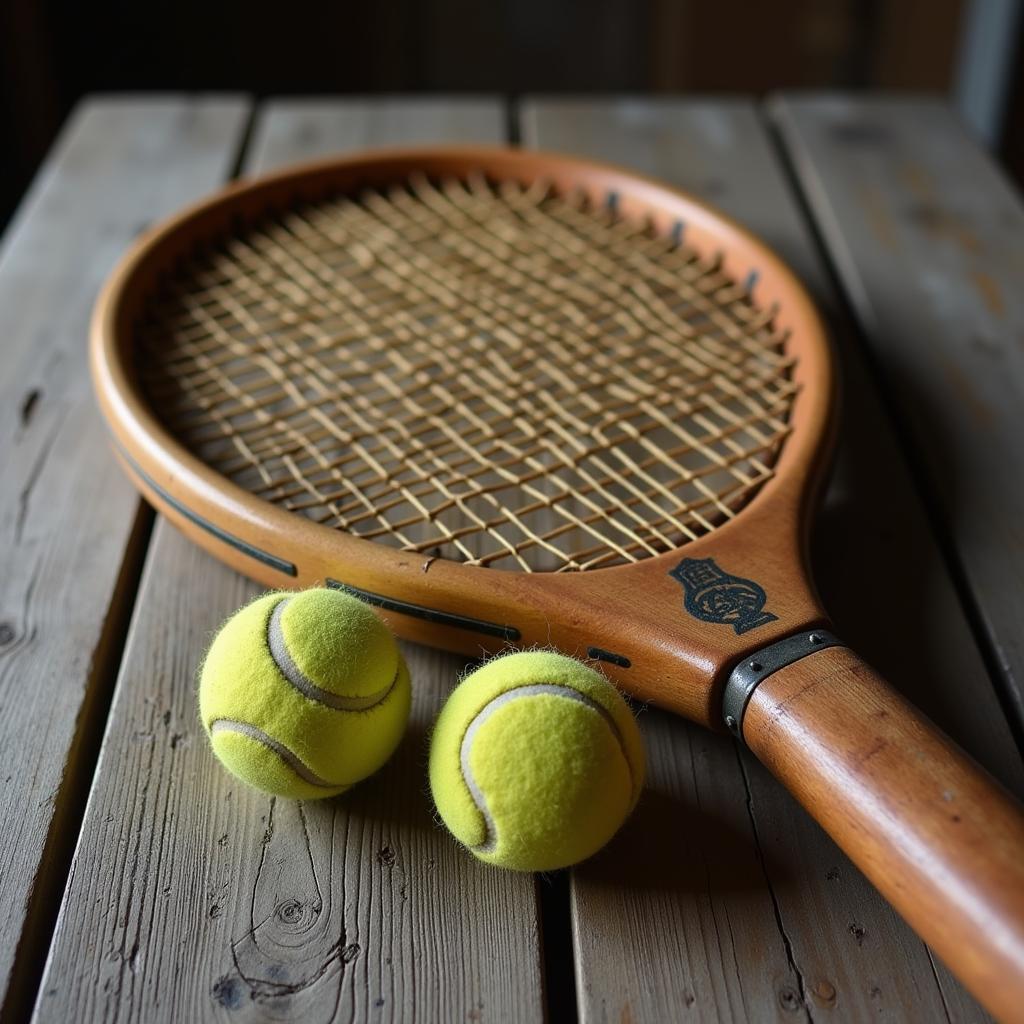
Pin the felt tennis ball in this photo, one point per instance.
(302, 695)
(535, 761)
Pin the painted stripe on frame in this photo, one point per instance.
(280, 564)
(418, 611)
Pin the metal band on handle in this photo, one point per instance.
(752, 670)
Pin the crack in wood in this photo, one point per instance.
(25, 494)
(28, 406)
(789, 999)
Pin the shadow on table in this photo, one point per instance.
(886, 585)
(400, 790)
(669, 845)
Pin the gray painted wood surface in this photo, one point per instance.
(72, 532)
(195, 898)
(722, 900)
(927, 237)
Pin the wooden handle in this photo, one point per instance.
(941, 840)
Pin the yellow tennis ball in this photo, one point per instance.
(303, 695)
(535, 762)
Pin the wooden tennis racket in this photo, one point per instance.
(513, 398)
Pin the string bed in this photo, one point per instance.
(487, 372)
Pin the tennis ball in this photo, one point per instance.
(304, 694)
(535, 761)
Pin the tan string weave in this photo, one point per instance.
(490, 373)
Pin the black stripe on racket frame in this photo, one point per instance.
(417, 611)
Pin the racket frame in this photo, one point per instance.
(629, 617)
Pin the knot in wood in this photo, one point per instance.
(296, 915)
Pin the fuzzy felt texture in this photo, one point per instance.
(338, 642)
(240, 683)
(556, 778)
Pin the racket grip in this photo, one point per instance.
(938, 836)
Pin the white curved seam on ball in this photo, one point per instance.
(289, 757)
(294, 675)
(529, 690)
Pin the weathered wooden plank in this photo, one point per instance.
(71, 531)
(307, 129)
(195, 898)
(722, 899)
(925, 234)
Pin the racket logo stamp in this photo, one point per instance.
(711, 595)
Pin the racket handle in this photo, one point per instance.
(939, 838)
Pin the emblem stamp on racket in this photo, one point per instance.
(712, 595)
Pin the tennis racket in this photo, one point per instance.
(512, 398)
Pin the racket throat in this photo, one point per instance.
(756, 667)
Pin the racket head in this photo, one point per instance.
(661, 635)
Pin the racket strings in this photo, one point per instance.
(491, 373)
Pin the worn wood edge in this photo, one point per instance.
(84, 111)
(43, 904)
(35, 387)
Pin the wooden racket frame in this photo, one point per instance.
(634, 612)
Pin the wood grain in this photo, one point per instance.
(194, 898)
(72, 531)
(837, 946)
(924, 232)
(917, 815)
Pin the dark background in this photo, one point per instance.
(54, 51)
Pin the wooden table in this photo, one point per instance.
(140, 882)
